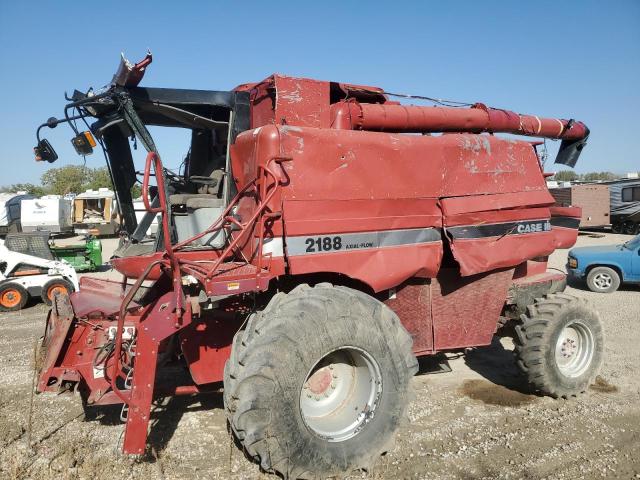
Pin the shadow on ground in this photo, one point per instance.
(503, 382)
(166, 414)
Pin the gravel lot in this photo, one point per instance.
(479, 421)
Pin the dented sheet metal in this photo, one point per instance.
(565, 222)
(484, 238)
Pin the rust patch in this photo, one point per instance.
(602, 386)
(493, 394)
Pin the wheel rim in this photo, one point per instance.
(341, 393)
(10, 298)
(53, 289)
(602, 280)
(574, 349)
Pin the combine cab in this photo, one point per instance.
(312, 249)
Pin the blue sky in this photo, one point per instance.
(550, 58)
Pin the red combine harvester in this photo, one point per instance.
(318, 241)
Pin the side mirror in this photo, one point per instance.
(45, 152)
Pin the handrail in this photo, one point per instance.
(170, 251)
(154, 158)
(255, 215)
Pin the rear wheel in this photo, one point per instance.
(12, 297)
(318, 382)
(617, 227)
(631, 228)
(559, 345)
(54, 286)
(603, 280)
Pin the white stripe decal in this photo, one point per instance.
(273, 246)
(336, 242)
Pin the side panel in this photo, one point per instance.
(379, 242)
(366, 169)
(206, 346)
(411, 301)
(466, 309)
(339, 164)
(302, 102)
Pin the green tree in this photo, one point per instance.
(136, 191)
(99, 178)
(566, 176)
(70, 179)
(67, 179)
(595, 176)
(25, 187)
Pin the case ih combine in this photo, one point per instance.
(319, 240)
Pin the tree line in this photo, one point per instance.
(69, 179)
(571, 176)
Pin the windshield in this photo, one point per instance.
(633, 243)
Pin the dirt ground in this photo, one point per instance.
(479, 421)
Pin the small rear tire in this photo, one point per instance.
(54, 286)
(318, 382)
(559, 345)
(631, 228)
(13, 297)
(603, 280)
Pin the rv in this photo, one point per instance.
(51, 213)
(625, 206)
(10, 211)
(95, 212)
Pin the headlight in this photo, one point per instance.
(573, 263)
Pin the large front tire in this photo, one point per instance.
(318, 382)
(559, 345)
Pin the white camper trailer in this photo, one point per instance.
(51, 213)
(96, 212)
